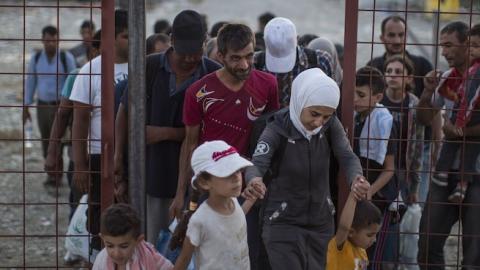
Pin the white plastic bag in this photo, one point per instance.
(78, 238)
(409, 228)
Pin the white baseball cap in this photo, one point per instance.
(218, 159)
(280, 37)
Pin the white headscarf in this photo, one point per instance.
(312, 87)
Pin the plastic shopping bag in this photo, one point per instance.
(77, 240)
(409, 228)
(163, 242)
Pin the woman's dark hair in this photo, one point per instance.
(234, 37)
(405, 61)
(180, 232)
(371, 77)
(153, 39)
(366, 214)
(120, 219)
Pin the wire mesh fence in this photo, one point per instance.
(35, 214)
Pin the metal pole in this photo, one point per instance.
(108, 59)
(136, 106)
(436, 23)
(350, 60)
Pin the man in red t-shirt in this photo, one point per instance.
(224, 104)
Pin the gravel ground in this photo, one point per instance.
(45, 216)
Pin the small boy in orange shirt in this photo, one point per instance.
(359, 224)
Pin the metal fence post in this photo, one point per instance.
(108, 56)
(136, 106)
(350, 60)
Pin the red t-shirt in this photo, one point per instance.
(227, 115)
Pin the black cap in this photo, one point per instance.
(188, 32)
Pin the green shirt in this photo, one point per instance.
(67, 87)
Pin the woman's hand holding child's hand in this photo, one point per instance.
(255, 189)
(360, 188)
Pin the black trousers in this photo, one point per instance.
(94, 198)
(45, 116)
(438, 219)
(294, 247)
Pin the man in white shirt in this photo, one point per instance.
(86, 96)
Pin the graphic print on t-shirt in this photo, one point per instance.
(203, 93)
(253, 112)
(207, 102)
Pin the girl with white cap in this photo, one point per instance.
(297, 210)
(217, 230)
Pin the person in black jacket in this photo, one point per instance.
(297, 208)
(168, 75)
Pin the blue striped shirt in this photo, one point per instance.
(48, 84)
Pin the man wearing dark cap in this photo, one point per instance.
(168, 75)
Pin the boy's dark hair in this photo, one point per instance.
(153, 39)
(394, 18)
(366, 213)
(216, 28)
(264, 18)
(49, 29)
(120, 219)
(406, 62)
(96, 40)
(162, 27)
(475, 30)
(460, 28)
(234, 37)
(371, 77)
(121, 21)
(87, 24)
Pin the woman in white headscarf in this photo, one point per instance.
(293, 156)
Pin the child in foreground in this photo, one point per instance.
(217, 230)
(359, 224)
(125, 247)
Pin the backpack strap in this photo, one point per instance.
(63, 60)
(36, 58)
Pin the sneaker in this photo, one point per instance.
(440, 179)
(458, 194)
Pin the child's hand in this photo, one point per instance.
(431, 80)
(360, 188)
(255, 189)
